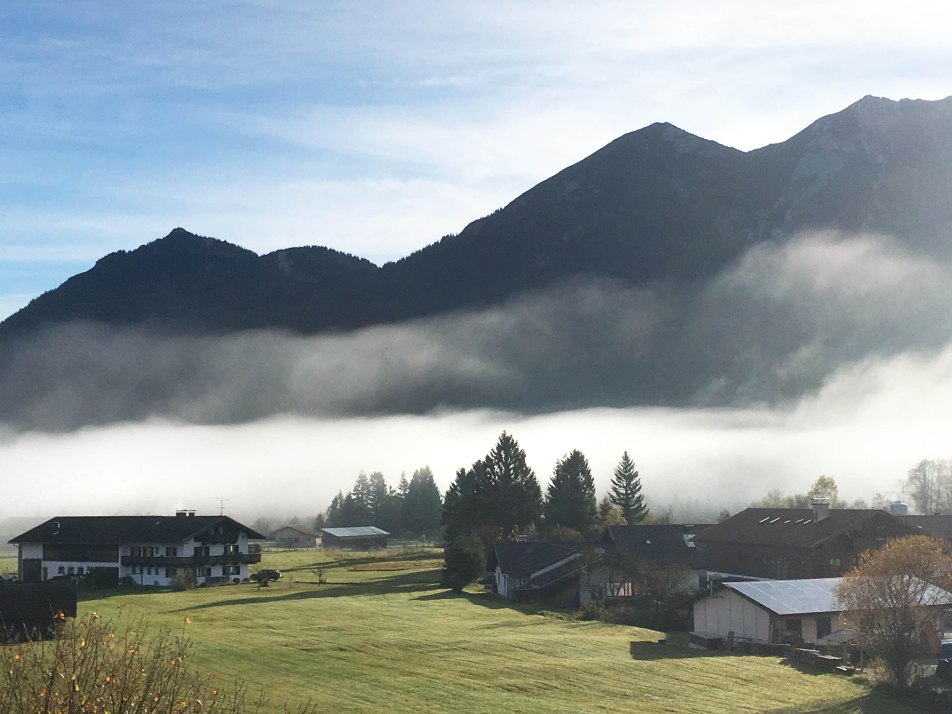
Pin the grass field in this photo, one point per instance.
(382, 635)
(8, 564)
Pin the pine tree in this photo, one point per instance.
(497, 496)
(570, 498)
(422, 505)
(626, 491)
(515, 496)
(463, 504)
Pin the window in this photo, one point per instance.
(203, 572)
(61, 570)
(79, 570)
(148, 571)
(201, 551)
(70, 570)
(231, 570)
(171, 551)
(170, 572)
(824, 627)
(148, 551)
(135, 551)
(231, 550)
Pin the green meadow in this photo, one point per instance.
(381, 634)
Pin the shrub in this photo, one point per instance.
(184, 580)
(90, 667)
(464, 560)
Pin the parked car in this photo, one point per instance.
(944, 669)
(266, 574)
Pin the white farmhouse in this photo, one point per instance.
(148, 550)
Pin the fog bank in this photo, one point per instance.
(866, 427)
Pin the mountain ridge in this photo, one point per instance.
(655, 204)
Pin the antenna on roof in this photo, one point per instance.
(221, 506)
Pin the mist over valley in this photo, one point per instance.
(738, 321)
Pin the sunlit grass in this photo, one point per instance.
(383, 635)
(8, 564)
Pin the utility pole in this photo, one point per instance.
(221, 506)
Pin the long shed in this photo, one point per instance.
(355, 538)
(770, 611)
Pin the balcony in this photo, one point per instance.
(192, 561)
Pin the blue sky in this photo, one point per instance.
(374, 127)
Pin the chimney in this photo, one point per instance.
(821, 509)
(184, 514)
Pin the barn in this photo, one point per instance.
(770, 612)
(295, 536)
(355, 538)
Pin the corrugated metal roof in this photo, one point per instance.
(355, 532)
(804, 597)
(791, 597)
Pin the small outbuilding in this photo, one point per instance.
(542, 573)
(770, 612)
(355, 538)
(295, 536)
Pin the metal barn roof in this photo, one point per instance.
(355, 532)
(790, 597)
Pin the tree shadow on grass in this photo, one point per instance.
(485, 599)
(642, 650)
(404, 583)
(872, 703)
(376, 557)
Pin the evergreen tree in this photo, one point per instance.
(464, 560)
(422, 505)
(570, 497)
(626, 491)
(356, 509)
(335, 512)
(498, 495)
(404, 485)
(515, 498)
(463, 504)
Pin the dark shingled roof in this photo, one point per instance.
(522, 559)
(112, 530)
(936, 526)
(552, 577)
(789, 526)
(661, 543)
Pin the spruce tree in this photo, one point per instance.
(422, 505)
(515, 498)
(626, 491)
(570, 497)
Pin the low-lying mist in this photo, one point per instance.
(823, 354)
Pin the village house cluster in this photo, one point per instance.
(762, 576)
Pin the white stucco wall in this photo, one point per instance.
(145, 575)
